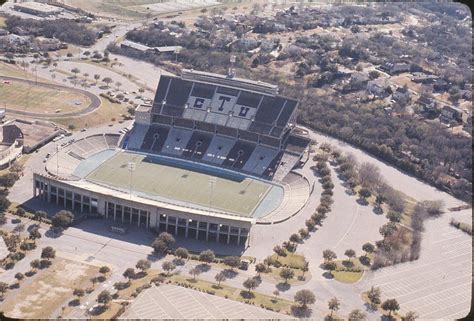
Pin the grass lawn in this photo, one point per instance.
(101, 116)
(293, 260)
(51, 287)
(346, 276)
(274, 275)
(238, 195)
(23, 96)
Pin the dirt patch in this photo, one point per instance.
(48, 291)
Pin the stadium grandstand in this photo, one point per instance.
(235, 123)
(210, 157)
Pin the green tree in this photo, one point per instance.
(40, 215)
(62, 219)
(394, 217)
(410, 316)
(48, 253)
(78, 292)
(350, 253)
(159, 246)
(143, 265)
(287, 273)
(368, 248)
(390, 305)
(75, 71)
(168, 267)
(3, 288)
(107, 81)
(194, 271)
(333, 305)
(35, 234)
(129, 273)
(374, 295)
(220, 277)
(260, 268)
(104, 297)
(232, 261)
(19, 228)
(329, 255)
(357, 315)
(387, 229)
(207, 256)
(35, 264)
(104, 269)
(250, 284)
(304, 297)
(96, 78)
(181, 253)
(19, 276)
(330, 266)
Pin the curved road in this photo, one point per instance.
(94, 104)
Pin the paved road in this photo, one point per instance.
(399, 180)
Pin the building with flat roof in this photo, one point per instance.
(37, 9)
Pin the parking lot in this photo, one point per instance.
(174, 302)
(438, 285)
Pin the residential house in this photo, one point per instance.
(428, 103)
(450, 113)
(420, 77)
(402, 95)
(393, 68)
(378, 88)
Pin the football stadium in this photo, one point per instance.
(213, 155)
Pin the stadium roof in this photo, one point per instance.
(260, 86)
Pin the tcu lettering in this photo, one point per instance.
(198, 103)
(243, 111)
(224, 99)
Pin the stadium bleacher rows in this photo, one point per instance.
(238, 154)
(225, 106)
(91, 145)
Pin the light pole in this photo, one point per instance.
(131, 168)
(212, 184)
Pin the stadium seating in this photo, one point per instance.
(178, 92)
(155, 138)
(218, 149)
(260, 159)
(197, 145)
(161, 93)
(112, 140)
(177, 141)
(269, 109)
(239, 154)
(287, 163)
(137, 136)
(272, 167)
(286, 113)
(296, 144)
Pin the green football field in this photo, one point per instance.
(240, 197)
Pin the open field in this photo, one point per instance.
(48, 291)
(239, 196)
(23, 96)
(107, 113)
